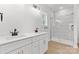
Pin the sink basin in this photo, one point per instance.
(14, 37)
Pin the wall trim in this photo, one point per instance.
(67, 42)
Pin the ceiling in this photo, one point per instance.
(56, 7)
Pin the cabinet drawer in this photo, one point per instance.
(44, 37)
(35, 44)
(40, 37)
(36, 38)
(14, 45)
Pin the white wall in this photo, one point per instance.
(22, 17)
(47, 10)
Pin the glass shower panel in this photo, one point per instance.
(63, 25)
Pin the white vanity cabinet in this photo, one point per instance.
(37, 44)
(40, 44)
(16, 45)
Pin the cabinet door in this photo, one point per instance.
(35, 48)
(27, 49)
(43, 44)
(46, 42)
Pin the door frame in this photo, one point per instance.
(75, 8)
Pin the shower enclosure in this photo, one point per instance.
(63, 24)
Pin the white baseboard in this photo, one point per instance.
(67, 42)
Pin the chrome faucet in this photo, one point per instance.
(36, 30)
(15, 33)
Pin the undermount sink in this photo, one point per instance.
(14, 37)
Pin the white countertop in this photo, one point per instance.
(7, 39)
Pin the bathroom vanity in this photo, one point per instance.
(30, 43)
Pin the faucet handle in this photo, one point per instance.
(11, 32)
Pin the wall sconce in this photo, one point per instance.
(36, 7)
(1, 15)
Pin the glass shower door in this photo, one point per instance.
(63, 29)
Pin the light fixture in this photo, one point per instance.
(36, 7)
